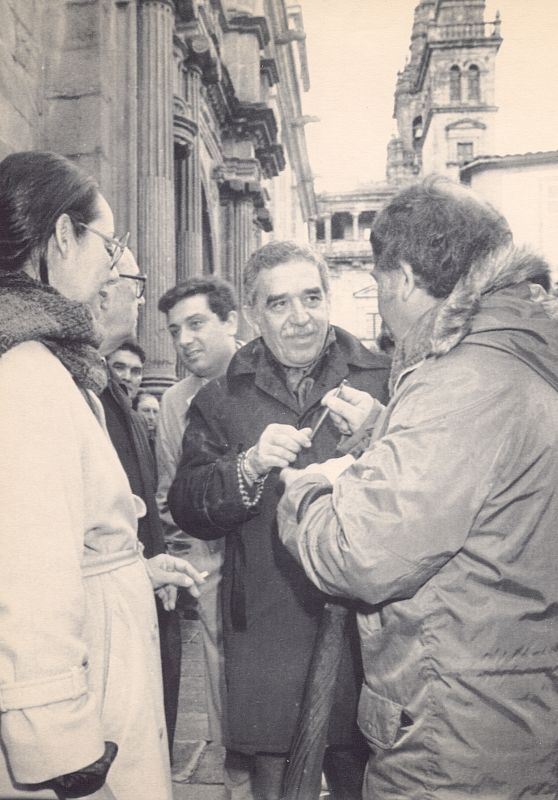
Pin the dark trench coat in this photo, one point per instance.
(270, 609)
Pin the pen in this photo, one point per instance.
(323, 416)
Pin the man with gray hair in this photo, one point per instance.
(243, 428)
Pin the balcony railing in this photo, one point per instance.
(464, 30)
(345, 247)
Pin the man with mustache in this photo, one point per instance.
(243, 428)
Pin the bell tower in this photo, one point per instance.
(445, 96)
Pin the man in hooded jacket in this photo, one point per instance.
(445, 527)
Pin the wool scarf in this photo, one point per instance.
(33, 311)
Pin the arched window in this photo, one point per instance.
(455, 83)
(473, 75)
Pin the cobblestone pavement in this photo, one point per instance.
(197, 765)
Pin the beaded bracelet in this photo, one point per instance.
(250, 474)
(247, 501)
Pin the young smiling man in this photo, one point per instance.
(243, 427)
(202, 320)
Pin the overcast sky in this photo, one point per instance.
(355, 49)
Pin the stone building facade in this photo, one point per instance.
(188, 113)
(445, 114)
(341, 233)
(444, 98)
(524, 187)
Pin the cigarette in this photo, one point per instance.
(204, 574)
(323, 416)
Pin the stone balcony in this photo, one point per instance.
(463, 31)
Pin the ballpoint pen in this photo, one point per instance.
(323, 416)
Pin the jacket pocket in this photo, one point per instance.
(381, 721)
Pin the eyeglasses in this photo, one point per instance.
(140, 283)
(114, 247)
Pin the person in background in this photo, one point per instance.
(80, 683)
(241, 428)
(147, 406)
(126, 362)
(201, 316)
(445, 528)
(118, 317)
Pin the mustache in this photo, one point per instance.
(292, 331)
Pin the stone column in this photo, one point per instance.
(125, 121)
(327, 229)
(355, 225)
(156, 237)
(312, 230)
(193, 202)
(238, 243)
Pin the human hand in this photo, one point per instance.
(350, 408)
(167, 572)
(278, 446)
(330, 470)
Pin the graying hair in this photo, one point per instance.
(274, 254)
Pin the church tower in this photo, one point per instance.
(444, 98)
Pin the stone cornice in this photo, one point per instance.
(268, 66)
(432, 111)
(241, 177)
(481, 163)
(243, 23)
(272, 159)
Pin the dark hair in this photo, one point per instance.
(440, 229)
(221, 297)
(274, 254)
(132, 347)
(35, 189)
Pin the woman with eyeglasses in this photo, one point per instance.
(80, 686)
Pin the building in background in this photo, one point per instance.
(342, 235)
(189, 115)
(444, 98)
(525, 189)
(445, 114)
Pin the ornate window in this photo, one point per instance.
(473, 76)
(465, 152)
(455, 83)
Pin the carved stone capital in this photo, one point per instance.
(238, 175)
(185, 127)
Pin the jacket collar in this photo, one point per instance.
(493, 297)
(335, 363)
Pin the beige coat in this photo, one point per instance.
(79, 657)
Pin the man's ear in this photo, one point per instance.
(63, 234)
(231, 323)
(408, 281)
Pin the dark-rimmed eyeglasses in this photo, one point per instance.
(140, 283)
(114, 247)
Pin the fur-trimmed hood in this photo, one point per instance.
(494, 305)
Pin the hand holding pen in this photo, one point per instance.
(351, 408)
(325, 413)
